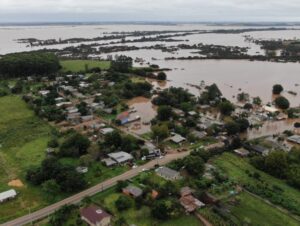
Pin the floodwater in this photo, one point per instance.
(232, 76)
(271, 128)
(146, 110)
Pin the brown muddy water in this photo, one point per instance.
(146, 110)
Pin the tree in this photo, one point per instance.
(164, 113)
(282, 103)
(257, 101)
(113, 139)
(120, 185)
(70, 180)
(213, 92)
(28, 64)
(226, 108)
(194, 165)
(121, 64)
(293, 175)
(162, 76)
(232, 128)
(75, 145)
(51, 188)
(160, 210)
(82, 108)
(53, 143)
(123, 203)
(243, 124)
(167, 189)
(277, 89)
(276, 163)
(86, 160)
(160, 131)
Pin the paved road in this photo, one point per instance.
(42, 213)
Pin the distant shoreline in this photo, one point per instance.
(163, 23)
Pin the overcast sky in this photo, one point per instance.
(148, 10)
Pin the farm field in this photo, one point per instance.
(260, 213)
(80, 65)
(23, 139)
(277, 190)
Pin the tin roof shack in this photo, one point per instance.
(177, 139)
(105, 131)
(7, 195)
(241, 152)
(133, 191)
(258, 149)
(109, 162)
(95, 216)
(168, 173)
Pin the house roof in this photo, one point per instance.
(133, 190)
(166, 172)
(106, 130)
(121, 156)
(109, 162)
(94, 214)
(190, 203)
(8, 194)
(177, 138)
(294, 138)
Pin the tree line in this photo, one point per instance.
(28, 64)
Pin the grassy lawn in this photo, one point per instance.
(259, 213)
(80, 65)
(97, 172)
(236, 167)
(141, 216)
(23, 139)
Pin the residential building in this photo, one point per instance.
(167, 173)
(120, 157)
(95, 216)
(133, 191)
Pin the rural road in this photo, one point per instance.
(42, 213)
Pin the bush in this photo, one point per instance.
(123, 203)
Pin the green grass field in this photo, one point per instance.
(141, 216)
(80, 65)
(236, 167)
(23, 139)
(259, 213)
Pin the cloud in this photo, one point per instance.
(124, 10)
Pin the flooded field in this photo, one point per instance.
(232, 76)
(146, 110)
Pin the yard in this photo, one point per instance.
(141, 216)
(23, 140)
(81, 65)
